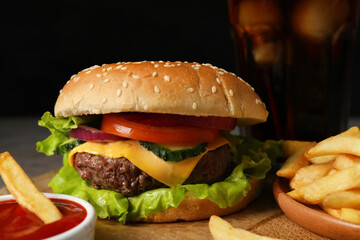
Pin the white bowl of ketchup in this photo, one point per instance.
(78, 220)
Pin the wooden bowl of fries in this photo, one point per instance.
(312, 217)
(318, 186)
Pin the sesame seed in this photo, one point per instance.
(109, 68)
(196, 68)
(88, 72)
(98, 75)
(136, 76)
(154, 74)
(104, 70)
(221, 73)
(72, 76)
(156, 89)
(194, 106)
(190, 90)
(91, 86)
(118, 92)
(156, 65)
(231, 92)
(213, 89)
(118, 67)
(218, 80)
(106, 80)
(76, 79)
(123, 68)
(125, 84)
(104, 100)
(152, 62)
(257, 101)
(167, 78)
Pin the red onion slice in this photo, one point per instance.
(86, 133)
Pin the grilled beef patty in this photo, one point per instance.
(120, 175)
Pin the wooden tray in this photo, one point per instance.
(313, 217)
(263, 217)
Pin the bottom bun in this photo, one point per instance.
(192, 208)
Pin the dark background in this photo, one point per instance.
(43, 45)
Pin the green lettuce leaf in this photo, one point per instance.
(253, 159)
(59, 127)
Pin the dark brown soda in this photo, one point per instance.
(298, 55)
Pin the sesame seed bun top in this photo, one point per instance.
(160, 87)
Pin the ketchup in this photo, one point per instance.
(18, 223)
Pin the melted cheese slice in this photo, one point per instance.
(169, 173)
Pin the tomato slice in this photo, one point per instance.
(226, 123)
(158, 119)
(156, 128)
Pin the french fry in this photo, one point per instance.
(335, 145)
(221, 229)
(353, 131)
(351, 215)
(294, 194)
(296, 160)
(322, 159)
(309, 174)
(25, 192)
(343, 199)
(316, 191)
(332, 171)
(321, 146)
(331, 211)
(346, 160)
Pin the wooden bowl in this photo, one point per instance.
(313, 217)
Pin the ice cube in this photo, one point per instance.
(317, 20)
(258, 12)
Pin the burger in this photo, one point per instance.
(151, 141)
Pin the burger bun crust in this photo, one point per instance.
(160, 87)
